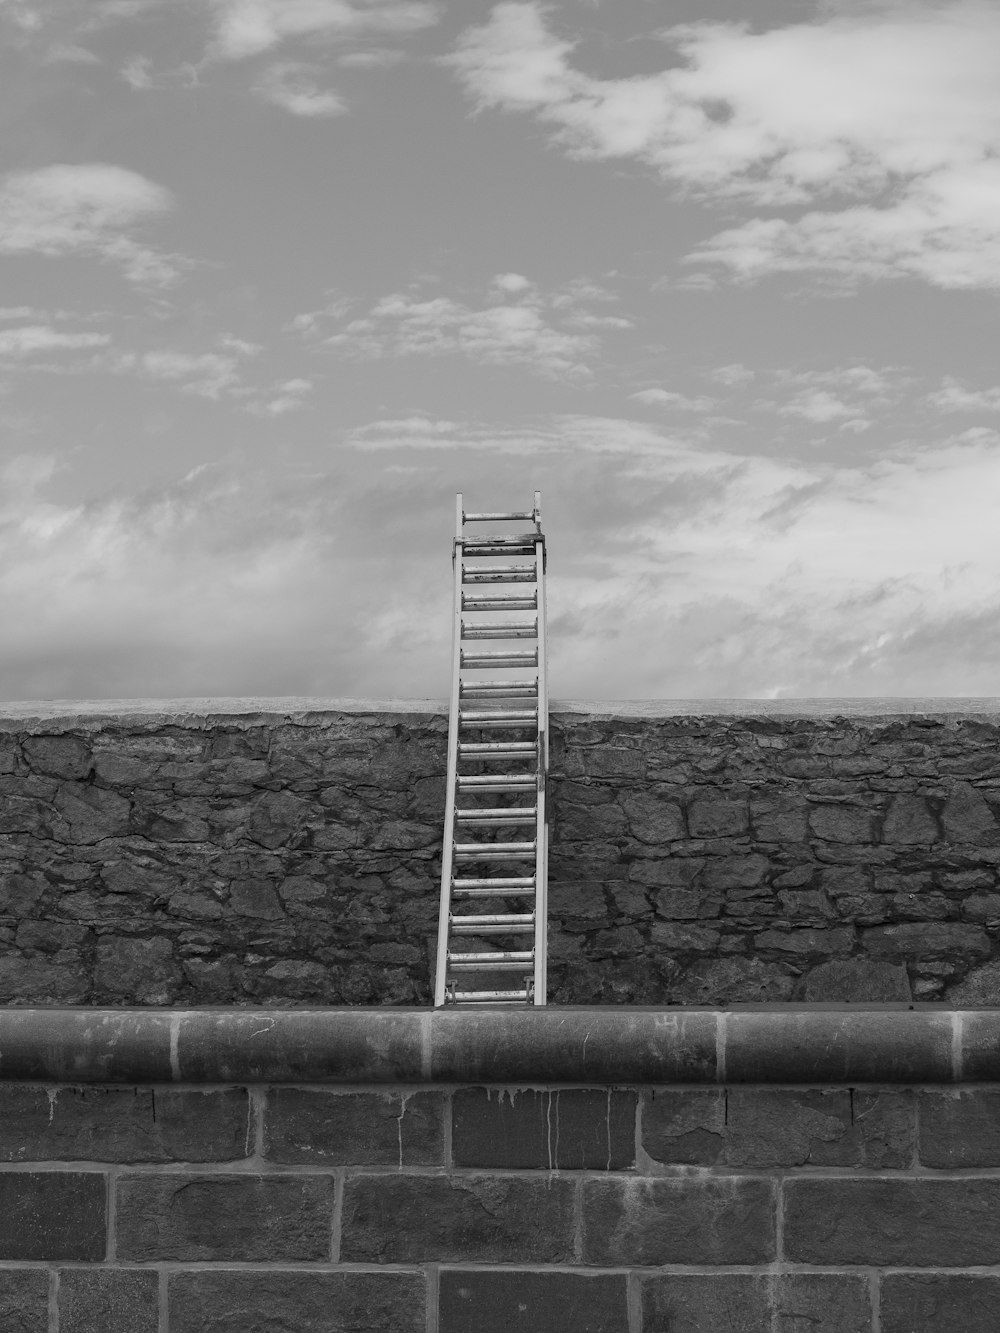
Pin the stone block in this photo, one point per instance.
(735, 872)
(982, 907)
(104, 1124)
(313, 1125)
(58, 979)
(684, 1125)
(556, 1129)
(893, 1222)
(841, 823)
(712, 817)
(940, 1303)
(756, 1303)
(966, 817)
(272, 1301)
(24, 1300)
(737, 980)
(52, 1215)
(854, 981)
(89, 814)
(57, 756)
(781, 820)
(683, 937)
(249, 1219)
(807, 943)
(401, 1219)
(144, 971)
(828, 1127)
(960, 1128)
(690, 1220)
(909, 822)
(255, 898)
(518, 1301)
(927, 940)
(980, 986)
(111, 1300)
(651, 818)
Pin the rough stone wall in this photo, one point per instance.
(479, 1209)
(268, 858)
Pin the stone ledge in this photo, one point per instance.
(603, 1046)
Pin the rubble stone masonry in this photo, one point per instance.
(283, 852)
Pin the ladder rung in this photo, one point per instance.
(506, 601)
(499, 689)
(511, 815)
(486, 962)
(513, 629)
(498, 717)
(500, 574)
(494, 851)
(499, 923)
(496, 749)
(498, 884)
(501, 782)
(490, 661)
(514, 517)
(488, 996)
(502, 543)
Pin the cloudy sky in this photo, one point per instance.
(279, 277)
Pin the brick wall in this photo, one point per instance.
(438, 1206)
(272, 853)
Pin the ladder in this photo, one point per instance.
(495, 856)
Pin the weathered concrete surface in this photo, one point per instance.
(284, 852)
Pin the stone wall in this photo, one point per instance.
(363, 1175)
(277, 852)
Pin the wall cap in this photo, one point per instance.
(812, 1044)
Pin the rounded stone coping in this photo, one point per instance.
(808, 1044)
(93, 714)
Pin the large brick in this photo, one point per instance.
(299, 1302)
(828, 1127)
(684, 1125)
(927, 939)
(111, 1300)
(53, 1215)
(923, 1223)
(692, 1220)
(940, 1303)
(748, 1303)
(123, 1124)
(476, 1219)
(373, 1128)
(714, 816)
(563, 1128)
(960, 1127)
(529, 1302)
(24, 1300)
(247, 1218)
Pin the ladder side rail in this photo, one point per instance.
(448, 847)
(541, 827)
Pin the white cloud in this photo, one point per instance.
(732, 375)
(245, 28)
(817, 405)
(293, 87)
(881, 125)
(85, 210)
(550, 335)
(30, 338)
(667, 398)
(289, 396)
(955, 397)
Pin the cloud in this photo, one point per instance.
(85, 210)
(289, 396)
(954, 397)
(293, 87)
(880, 125)
(245, 28)
(667, 398)
(735, 374)
(28, 339)
(551, 335)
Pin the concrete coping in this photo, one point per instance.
(60, 715)
(614, 1045)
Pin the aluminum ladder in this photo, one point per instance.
(497, 747)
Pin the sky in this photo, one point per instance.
(279, 277)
